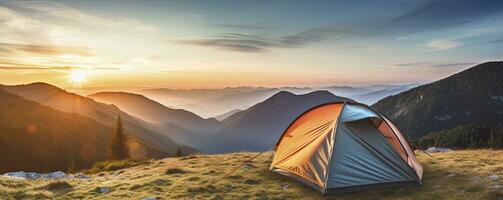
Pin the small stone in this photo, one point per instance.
(497, 187)
(475, 179)
(437, 150)
(493, 177)
(23, 175)
(104, 190)
(286, 186)
(55, 175)
(450, 175)
(249, 166)
(81, 176)
(150, 198)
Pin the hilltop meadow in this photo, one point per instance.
(449, 175)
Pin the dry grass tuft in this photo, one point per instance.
(57, 186)
(175, 170)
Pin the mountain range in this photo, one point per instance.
(261, 125)
(214, 102)
(35, 137)
(178, 124)
(156, 113)
(64, 101)
(472, 96)
(244, 130)
(158, 130)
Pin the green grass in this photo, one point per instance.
(112, 165)
(200, 177)
(57, 186)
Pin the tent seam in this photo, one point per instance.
(334, 132)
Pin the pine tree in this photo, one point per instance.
(178, 152)
(118, 149)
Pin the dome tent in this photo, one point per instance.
(342, 147)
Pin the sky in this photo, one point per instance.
(211, 44)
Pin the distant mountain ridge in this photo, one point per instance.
(224, 116)
(249, 129)
(62, 100)
(374, 96)
(213, 102)
(261, 125)
(154, 112)
(474, 95)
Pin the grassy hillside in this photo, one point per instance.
(451, 175)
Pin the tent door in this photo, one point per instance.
(363, 156)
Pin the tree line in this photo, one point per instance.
(466, 136)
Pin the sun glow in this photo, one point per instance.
(78, 76)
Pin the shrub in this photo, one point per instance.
(58, 185)
(112, 165)
(174, 170)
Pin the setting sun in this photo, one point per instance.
(78, 76)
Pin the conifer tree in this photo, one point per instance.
(118, 149)
(178, 152)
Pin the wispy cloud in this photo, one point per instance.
(497, 41)
(233, 42)
(441, 14)
(431, 15)
(252, 43)
(42, 35)
(435, 64)
(442, 44)
(16, 65)
(247, 26)
(44, 49)
(65, 12)
(12, 68)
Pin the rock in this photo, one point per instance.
(437, 150)
(249, 166)
(58, 175)
(55, 175)
(81, 176)
(286, 186)
(493, 177)
(150, 198)
(497, 187)
(450, 175)
(23, 175)
(103, 190)
(475, 179)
